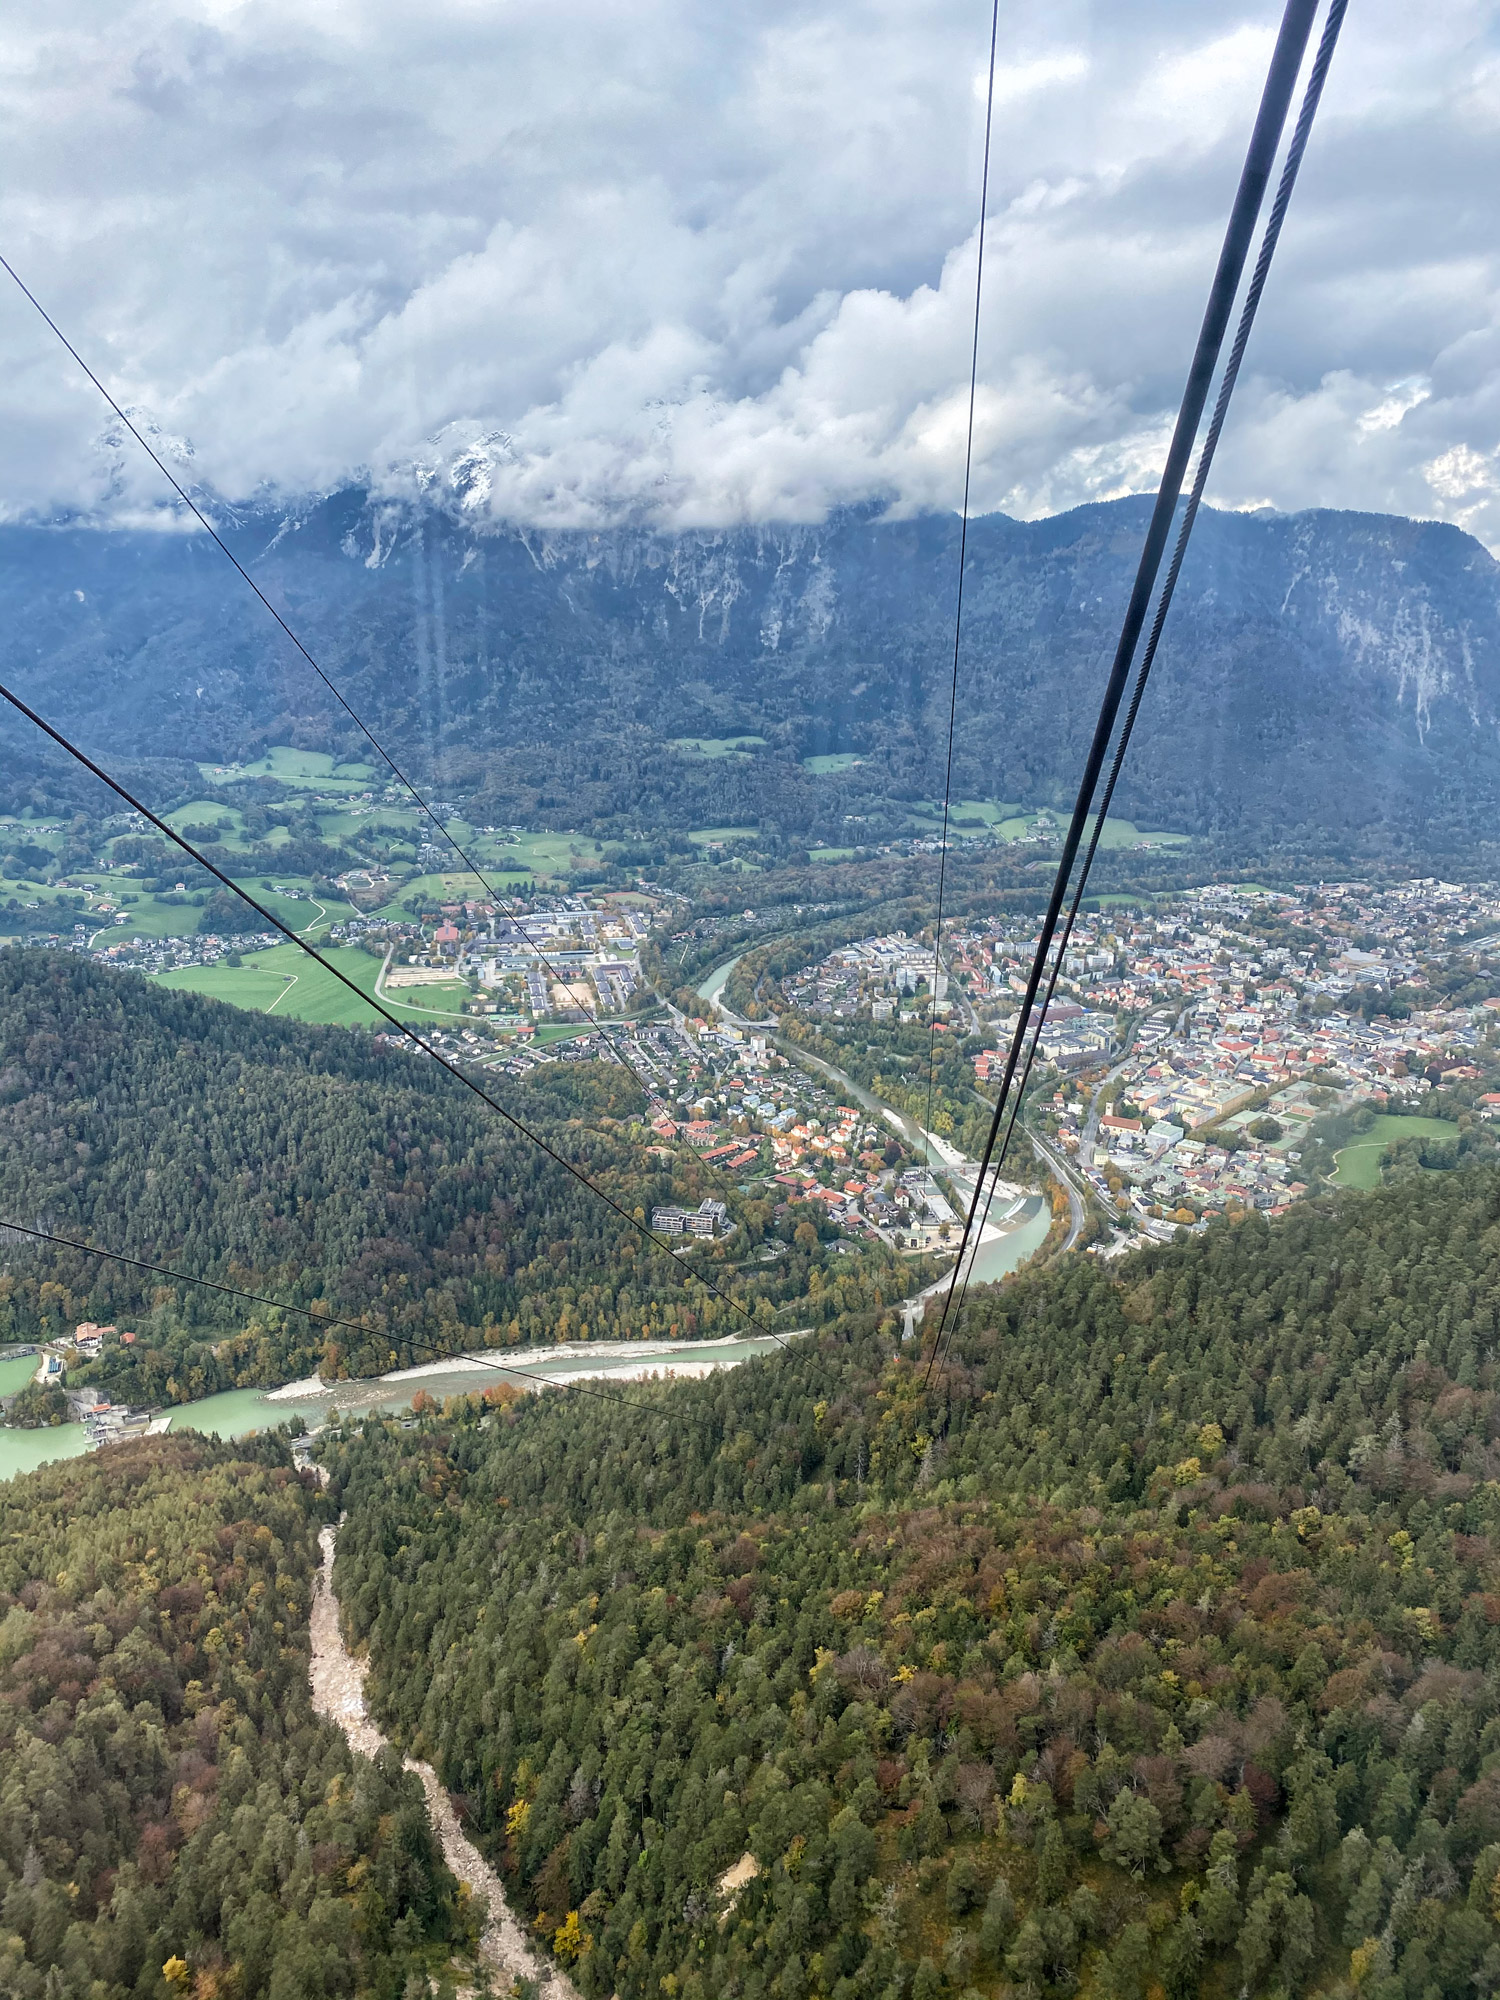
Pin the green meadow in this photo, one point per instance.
(1359, 1164)
(716, 746)
(295, 767)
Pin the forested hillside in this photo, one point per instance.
(1154, 1649)
(1333, 674)
(173, 1819)
(326, 1168)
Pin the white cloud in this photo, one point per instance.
(708, 265)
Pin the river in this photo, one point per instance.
(1007, 1243)
(237, 1412)
(718, 979)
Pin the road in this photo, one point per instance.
(921, 1140)
(1062, 1170)
(1089, 1136)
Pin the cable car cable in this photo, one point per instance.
(1281, 78)
(1311, 98)
(963, 543)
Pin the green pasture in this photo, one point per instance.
(830, 854)
(146, 918)
(716, 746)
(295, 767)
(1359, 1164)
(836, 760)
(462, 886)
(204, 812)
(1125, 833)
(250, 985)
(284, 980)
(712, 836)
(1009, 821)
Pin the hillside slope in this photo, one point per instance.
(318, 1166)
(173, 1819)
(1155, 1649)
(1339, 671)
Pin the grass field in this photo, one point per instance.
(837, 760)
(709, 836)
(1125, 833)
(1015, 822)
(284, 980)
(716, 746)
(830, 854)
(296, 767)
(453, 888)
(1359, 1164)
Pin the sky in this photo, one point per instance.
(708, 264)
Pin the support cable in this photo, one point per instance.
(963, 543)
(1286, 60)
(404, 1027)
(332, 1319)
(1295, 151)
(379, 748)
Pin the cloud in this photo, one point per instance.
(703, 265)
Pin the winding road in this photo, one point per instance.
(925, 1143)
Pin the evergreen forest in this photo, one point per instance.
(175, 1824)
(1150, 1648)
(346, 1175)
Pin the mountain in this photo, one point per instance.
(1325, 670)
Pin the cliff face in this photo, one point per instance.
(1325, 669)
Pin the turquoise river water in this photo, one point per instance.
(238, 1412)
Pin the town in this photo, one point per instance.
(1192, 1047)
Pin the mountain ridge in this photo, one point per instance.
(1329, 669)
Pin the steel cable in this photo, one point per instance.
(963, 544)
(1281, 78)
(403, 1027)
(1295, 151)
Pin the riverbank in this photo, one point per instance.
(237, 1412)
(338, 1691)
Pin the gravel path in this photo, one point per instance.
(338, 1687)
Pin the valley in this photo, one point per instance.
(1142, 1642)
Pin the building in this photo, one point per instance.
(707, 1219)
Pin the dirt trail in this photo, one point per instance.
(338, 1685)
